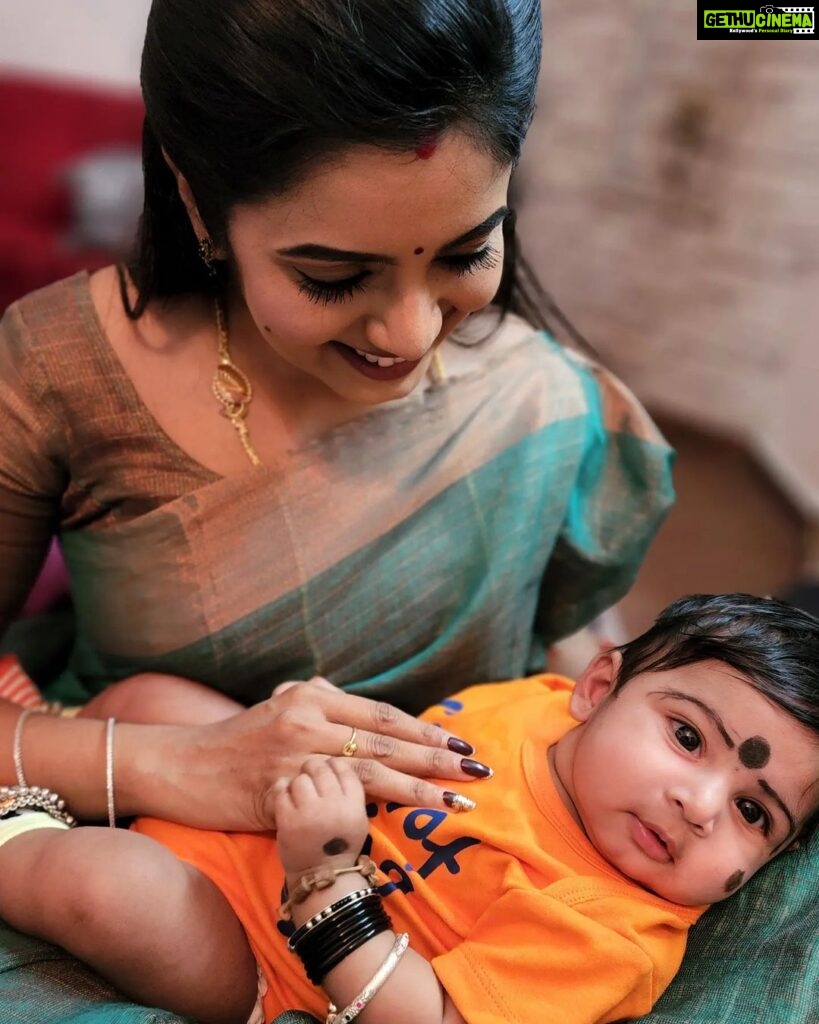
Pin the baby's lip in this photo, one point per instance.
(662, 835)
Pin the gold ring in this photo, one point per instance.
(350, 747)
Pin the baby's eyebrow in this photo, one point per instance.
(715, 718)
(766, 787)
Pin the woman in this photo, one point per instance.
(272, 447)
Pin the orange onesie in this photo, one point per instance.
(521, 918)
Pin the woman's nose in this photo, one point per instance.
(407, 326)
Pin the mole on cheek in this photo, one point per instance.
(267, 328)
(755, 752)
(735, 881)
(334, 846)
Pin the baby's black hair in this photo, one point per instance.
(774, 645)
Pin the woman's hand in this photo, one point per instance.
(222, 775)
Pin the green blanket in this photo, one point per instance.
(752, 960)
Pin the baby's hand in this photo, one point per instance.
(320, 816)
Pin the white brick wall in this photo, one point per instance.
(670, 201)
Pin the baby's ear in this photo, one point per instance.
(595, 684)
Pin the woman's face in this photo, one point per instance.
(357, 275)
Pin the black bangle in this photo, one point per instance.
(323, 942)
(334, 939)
(330, 911)
(328, 945)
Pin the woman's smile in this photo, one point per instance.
(375, 367)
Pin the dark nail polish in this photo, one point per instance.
(476, 769)
(460, 746)
(459, 803)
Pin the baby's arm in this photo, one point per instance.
(322, 821)
(156, 698)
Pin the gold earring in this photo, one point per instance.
(207, 254)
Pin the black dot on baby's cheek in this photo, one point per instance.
(334, 846)
(735, 881)
(755, 752)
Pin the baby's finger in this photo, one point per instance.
(325, 779)
(302, 789)
(346, 778)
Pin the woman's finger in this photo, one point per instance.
(380, 717)
(406, 757)
(387, 784)
(318, 681)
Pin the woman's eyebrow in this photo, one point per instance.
(312, 251)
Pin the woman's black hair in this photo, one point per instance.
(774, 645)
(246, 97)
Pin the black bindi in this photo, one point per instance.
(755, 752)
(419, 250)
(735, 881)
(334, 846)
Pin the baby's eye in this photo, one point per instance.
(687, 737)
(754, 814)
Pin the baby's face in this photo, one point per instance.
(689, 780)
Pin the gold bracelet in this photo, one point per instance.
(352, 1010)
(323, 878)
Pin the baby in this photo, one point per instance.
(622, 805)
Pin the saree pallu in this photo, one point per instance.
(437, 540)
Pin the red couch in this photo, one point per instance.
(45, 126)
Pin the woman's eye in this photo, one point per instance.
(687, 737)
(325, 292)
(754, 814)
(468, 263)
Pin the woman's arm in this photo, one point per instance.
(220, 774)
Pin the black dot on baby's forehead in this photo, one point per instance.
(419, 250)
(755, 752)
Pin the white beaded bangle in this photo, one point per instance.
(351, 1011)
(109, 771)
(17, 747)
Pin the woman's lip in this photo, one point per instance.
(647, 838)
(373, 370)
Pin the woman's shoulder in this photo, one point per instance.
(529, 363)
(44, 327)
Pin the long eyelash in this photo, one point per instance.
(325, 292)
(484, 259)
